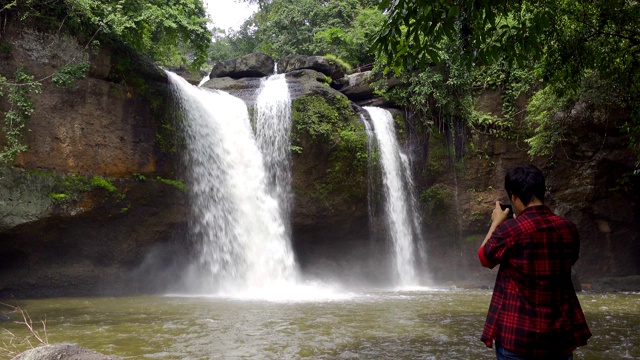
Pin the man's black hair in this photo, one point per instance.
(525, 182)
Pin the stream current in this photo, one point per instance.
(416, 324)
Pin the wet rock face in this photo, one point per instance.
(251, 65)
(589, 180)
(82, 207)
(100, 124)
(358, 87)
(91, 240)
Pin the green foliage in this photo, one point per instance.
(349, 162)
(487, 123)
(138, 177)
(170, 32)
(334, 59)
(445, 96)
(229, 44)
(511, 80)
(306, 27)
(564, 43)
(5, 48)
(20, 110)
(178, 184)
(436, 196)
(98, 181)
(66, 77)
(332, 124)
(58, 197)
(435, 201)
(322, 117)
(486, 31)
(352, 146)
(316, 117)
(548, 111)
(543, 112)
(69, 187)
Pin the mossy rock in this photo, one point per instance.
(330, 151)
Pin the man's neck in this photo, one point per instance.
(534, 202)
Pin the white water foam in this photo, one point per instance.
(235, 220)
(273, 131)
(398, 198)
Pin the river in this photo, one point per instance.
(417, 324)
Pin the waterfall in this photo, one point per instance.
(273, 130)
(400, 205)
(370, 178)
(236, 219)
(204, 80)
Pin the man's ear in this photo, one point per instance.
(517, 203)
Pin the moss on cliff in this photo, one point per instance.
(321, 118)
(328, 127)
(143, 79)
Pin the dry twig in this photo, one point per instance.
(13, 346)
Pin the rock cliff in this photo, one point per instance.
(96, 205)
(95, 193)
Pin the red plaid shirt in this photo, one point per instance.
(534, 310)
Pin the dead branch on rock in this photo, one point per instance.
(13, 346)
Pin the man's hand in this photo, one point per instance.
(498, 215)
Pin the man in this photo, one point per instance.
(534, 311)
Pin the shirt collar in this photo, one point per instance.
(536, 209)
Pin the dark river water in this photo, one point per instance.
(418, 324)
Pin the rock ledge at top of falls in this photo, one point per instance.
(329, 67)
(250, 65)
(61, 352)
(261, 65)
(301, 83)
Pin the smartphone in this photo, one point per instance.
(504, 207)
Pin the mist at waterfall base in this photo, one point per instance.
(239, 183)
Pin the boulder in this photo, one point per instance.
(326, 66)
(194, 78)
(244, 88)
(251, 65)
(359, 87)
(61, 352)
(301, 82)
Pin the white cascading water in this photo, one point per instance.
(273, 131)
(370, 179)
(398, 198)
(235, 218)
(204, 80)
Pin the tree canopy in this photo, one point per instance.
(573, 46)
(307, 27)
(170, 32)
